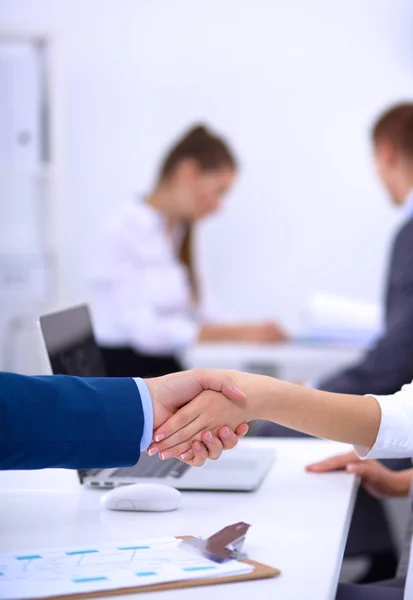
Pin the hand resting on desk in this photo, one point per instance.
(377, 479)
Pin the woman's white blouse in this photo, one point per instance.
(395, 436)
(395, 440)
(141, 296)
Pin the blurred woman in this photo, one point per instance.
(148, 304)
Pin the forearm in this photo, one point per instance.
(403, 482)
(338, 417)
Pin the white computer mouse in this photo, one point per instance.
(142, 496)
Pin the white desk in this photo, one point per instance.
(299, 524)
(287, 361)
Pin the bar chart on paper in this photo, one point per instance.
(105, 567)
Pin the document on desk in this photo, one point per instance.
(103, 567)
(339, 318)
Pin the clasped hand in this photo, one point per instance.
(377, 479)
(197, 415)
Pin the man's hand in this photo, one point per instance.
(378, 480)
(171, 392)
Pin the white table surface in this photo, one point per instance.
(299, 523)
(292, 360)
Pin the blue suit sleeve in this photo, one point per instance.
(69, 422)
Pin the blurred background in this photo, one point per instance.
(93, 91)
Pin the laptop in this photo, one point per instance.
(72, 350)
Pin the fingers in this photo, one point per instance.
(374, 480)
(200, 454)
(182, 451)
(211, 447)
(210, 444)
(369, 471)
(356, 468)
(333, 463)
(274, 332)
(219, 381)
(206, 412)
(214, 445)
(186, 456)
(242, 430)
(178, 442)
(228, 439)
(179, 420)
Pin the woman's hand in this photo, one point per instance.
(378, 480)
(204, 414)
(254, 333)
(264, 333)
(261, 333)
(212, 446)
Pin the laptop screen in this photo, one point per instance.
(71, 346)
(70, 343)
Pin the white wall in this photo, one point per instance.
(294, 85)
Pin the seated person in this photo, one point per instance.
(147, 299)
(388, 365)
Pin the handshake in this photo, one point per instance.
(197, 415)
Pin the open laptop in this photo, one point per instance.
(72, 350)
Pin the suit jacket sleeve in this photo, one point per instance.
(69, 422)
(389, 364)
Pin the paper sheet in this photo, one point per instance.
(90, 568)
(336, 317)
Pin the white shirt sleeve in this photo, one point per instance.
(395, 436)
(141, 294)
(147, 408)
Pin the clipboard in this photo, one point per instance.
(226, 544)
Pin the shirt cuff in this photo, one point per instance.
(394, 439)
(147, 408)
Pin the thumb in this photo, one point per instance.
(231, 391)
(219, 381)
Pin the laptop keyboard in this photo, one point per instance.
(153, 466)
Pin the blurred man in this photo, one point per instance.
(388, 365)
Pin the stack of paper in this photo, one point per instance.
(334, 317)
(83, 569)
